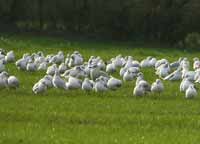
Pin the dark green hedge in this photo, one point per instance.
(165, 20)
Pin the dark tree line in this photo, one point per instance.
(165, 20)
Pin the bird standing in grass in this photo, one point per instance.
(47, 79)
(58, 82)
(110, 68)
(10, 56)
(73, 83)
(114, 83)
(139, 90)
(196, 64)
(185, 84)
(62, 68)
(128, 76)
(87, 85)
(190, 92)
(51, 69)
(13, 82)
(3, 79)
(31, 66)
(100, 85)
(157, 87)
(140, 76)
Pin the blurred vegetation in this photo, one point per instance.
(160, 20)
(193, 40)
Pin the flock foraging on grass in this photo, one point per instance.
(74, 72)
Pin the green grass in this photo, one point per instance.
(76, 117)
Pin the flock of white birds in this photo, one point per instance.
(72, 72)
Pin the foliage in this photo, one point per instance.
(193, 41)
(165, 20)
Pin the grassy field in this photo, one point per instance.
(76, 117)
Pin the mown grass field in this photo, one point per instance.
(76, 117)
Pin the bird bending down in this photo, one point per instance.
(39, 87)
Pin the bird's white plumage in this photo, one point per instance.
(190, 92)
